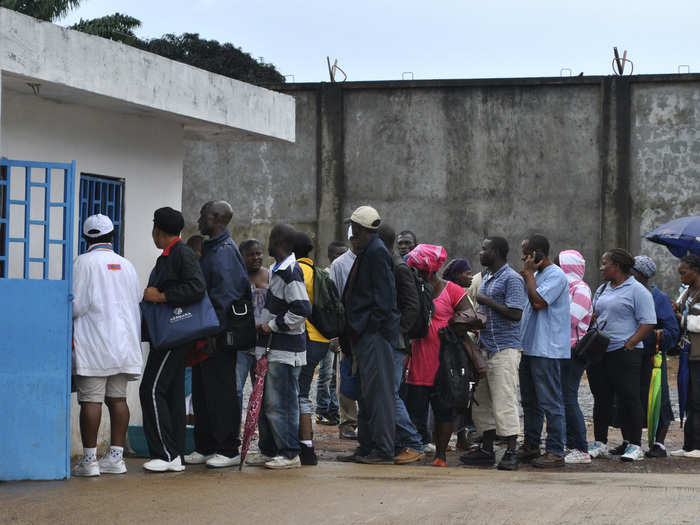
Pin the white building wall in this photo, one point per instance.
(146, 152)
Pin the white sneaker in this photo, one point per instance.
(160, 465)
(680, 453)
(598, 450)
(109, 465)
(280, 462)
(633, 453)
(86, 469)
(577, 457)
(694, 454)
(257, 460)
(429, 448)
(197, 458)
(219, 461)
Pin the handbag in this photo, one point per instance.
(240, 334)
(591, 347)
(170, 326)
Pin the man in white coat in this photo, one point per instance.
(106, 343)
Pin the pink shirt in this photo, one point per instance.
(425, 353)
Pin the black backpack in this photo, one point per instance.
(456, 378)
(426, 308)
(327, 314)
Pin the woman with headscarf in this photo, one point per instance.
(424, 360)
(573, 265)
(667, 332)
(459, 271)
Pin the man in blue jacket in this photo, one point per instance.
(372, 332)
(214, 396)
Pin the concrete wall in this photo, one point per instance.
(145, 152)
(591, 162)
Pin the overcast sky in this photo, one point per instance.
(381, 39)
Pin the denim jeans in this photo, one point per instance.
(406, 434)
(571, 373)
(279, 418)
(245, 366)
(540, 392)
(315, 353)
(326, 396)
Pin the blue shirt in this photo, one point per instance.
(665, 320)
(622, 309)
(547, 332)
(508, 288)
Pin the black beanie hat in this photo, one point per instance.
(168, 220)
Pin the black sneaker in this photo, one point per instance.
(526, 454)
(307, 455)
(509, 461)
(374, 460)
(478, 458)
(619, 450)
(656, 452)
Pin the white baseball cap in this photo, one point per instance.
(366, 216)
(97, 226)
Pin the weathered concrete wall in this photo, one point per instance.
(591, 162)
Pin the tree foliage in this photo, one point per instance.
(48, 10)
(115, 27)
(210, 55)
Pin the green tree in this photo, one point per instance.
(48, 10)
(115, 27)
(210, 55)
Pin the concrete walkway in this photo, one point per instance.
(349, 493)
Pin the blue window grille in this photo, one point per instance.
(34, 211)
(106, 196)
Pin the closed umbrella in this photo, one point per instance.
(680, 236)
(654, 408)
(254, 403)
(683, 376)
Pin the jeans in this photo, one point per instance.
(691, 430)
(315, 353)
(375, 417)
(245, 366)
(406, 434)
(279, 418)
(571, 373)
(540, 392)
(326, 396)
(617, 374)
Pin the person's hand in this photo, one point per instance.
(153, 295)
(334, 345)
(674, 304)
(628, 346)
(529, 264)
(483, 299)
(658, 333)
(265, 329)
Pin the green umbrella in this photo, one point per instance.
(654, 408)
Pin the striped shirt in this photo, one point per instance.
(573, 265)
(286, 308)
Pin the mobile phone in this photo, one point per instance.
(538, 256)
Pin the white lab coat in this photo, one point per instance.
(106, 315)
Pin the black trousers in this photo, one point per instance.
(215, 403)
(618, 374)
(417, 399)
(691, 430)
(162, 394)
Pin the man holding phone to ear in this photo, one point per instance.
(544, 331)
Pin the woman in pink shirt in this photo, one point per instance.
(424, 360)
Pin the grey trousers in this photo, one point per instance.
(375, 417)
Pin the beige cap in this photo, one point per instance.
(366, 216)
(97, 226)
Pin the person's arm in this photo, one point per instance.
(515, 298)
(645, 315)
(81, 289)
(670, 331)
(642, 332)
(191, 285)
(528, 273)
(383, 286)
(407, 297)
(580, 310)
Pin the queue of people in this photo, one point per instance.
(380, 381)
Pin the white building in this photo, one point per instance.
(121, 114)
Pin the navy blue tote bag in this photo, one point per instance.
(169, 326)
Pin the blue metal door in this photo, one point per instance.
(36, 251)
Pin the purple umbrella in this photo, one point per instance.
(254, 404)
(683, 376)
(680, 236)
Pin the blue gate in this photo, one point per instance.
(36, 251)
